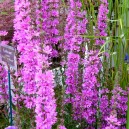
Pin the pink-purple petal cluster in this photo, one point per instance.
(102, 22)
(37, 79)
(23, 36)
(51, 25)
(3, 33)
(76, 23)
(45, 101)
(75, 27)
(119, 103)
(3, 85)
(90, 87)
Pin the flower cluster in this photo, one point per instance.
(3, 85)
(23, 36)
(3, 33)
(119, 103)
(90, 86)
(72, 73)
(62, 127)
(116, 106)
(75, 27)
(38, 80)
(37, 37)
(112, 121)
(45, 102)
(104, 106)
(51, 25)
(102, 22)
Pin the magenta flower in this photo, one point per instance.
(102, 22)
(75, 27)
(50, 13)
(62, 127)
(11, 127)
(4, 42)
(23, 36)
(3, 33)
(113, 122)
(90, 85)
(76, 23)
(38, 81)
(45, 103)
(3, 84)
(119, 102)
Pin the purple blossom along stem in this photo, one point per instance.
(51, 25)
(23, 36)
(3, 85)
(75, 27)
(102, 22)
(45, 101)
(90, 87)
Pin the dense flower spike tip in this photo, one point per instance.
(51, 24)
(102, 22)
(75, 27)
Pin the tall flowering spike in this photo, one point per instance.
(72, 72)
(3, 85)
(23, 36)
(45, 102)
(90, 86)
(75, 27)
(102, 22)
(51, 25)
